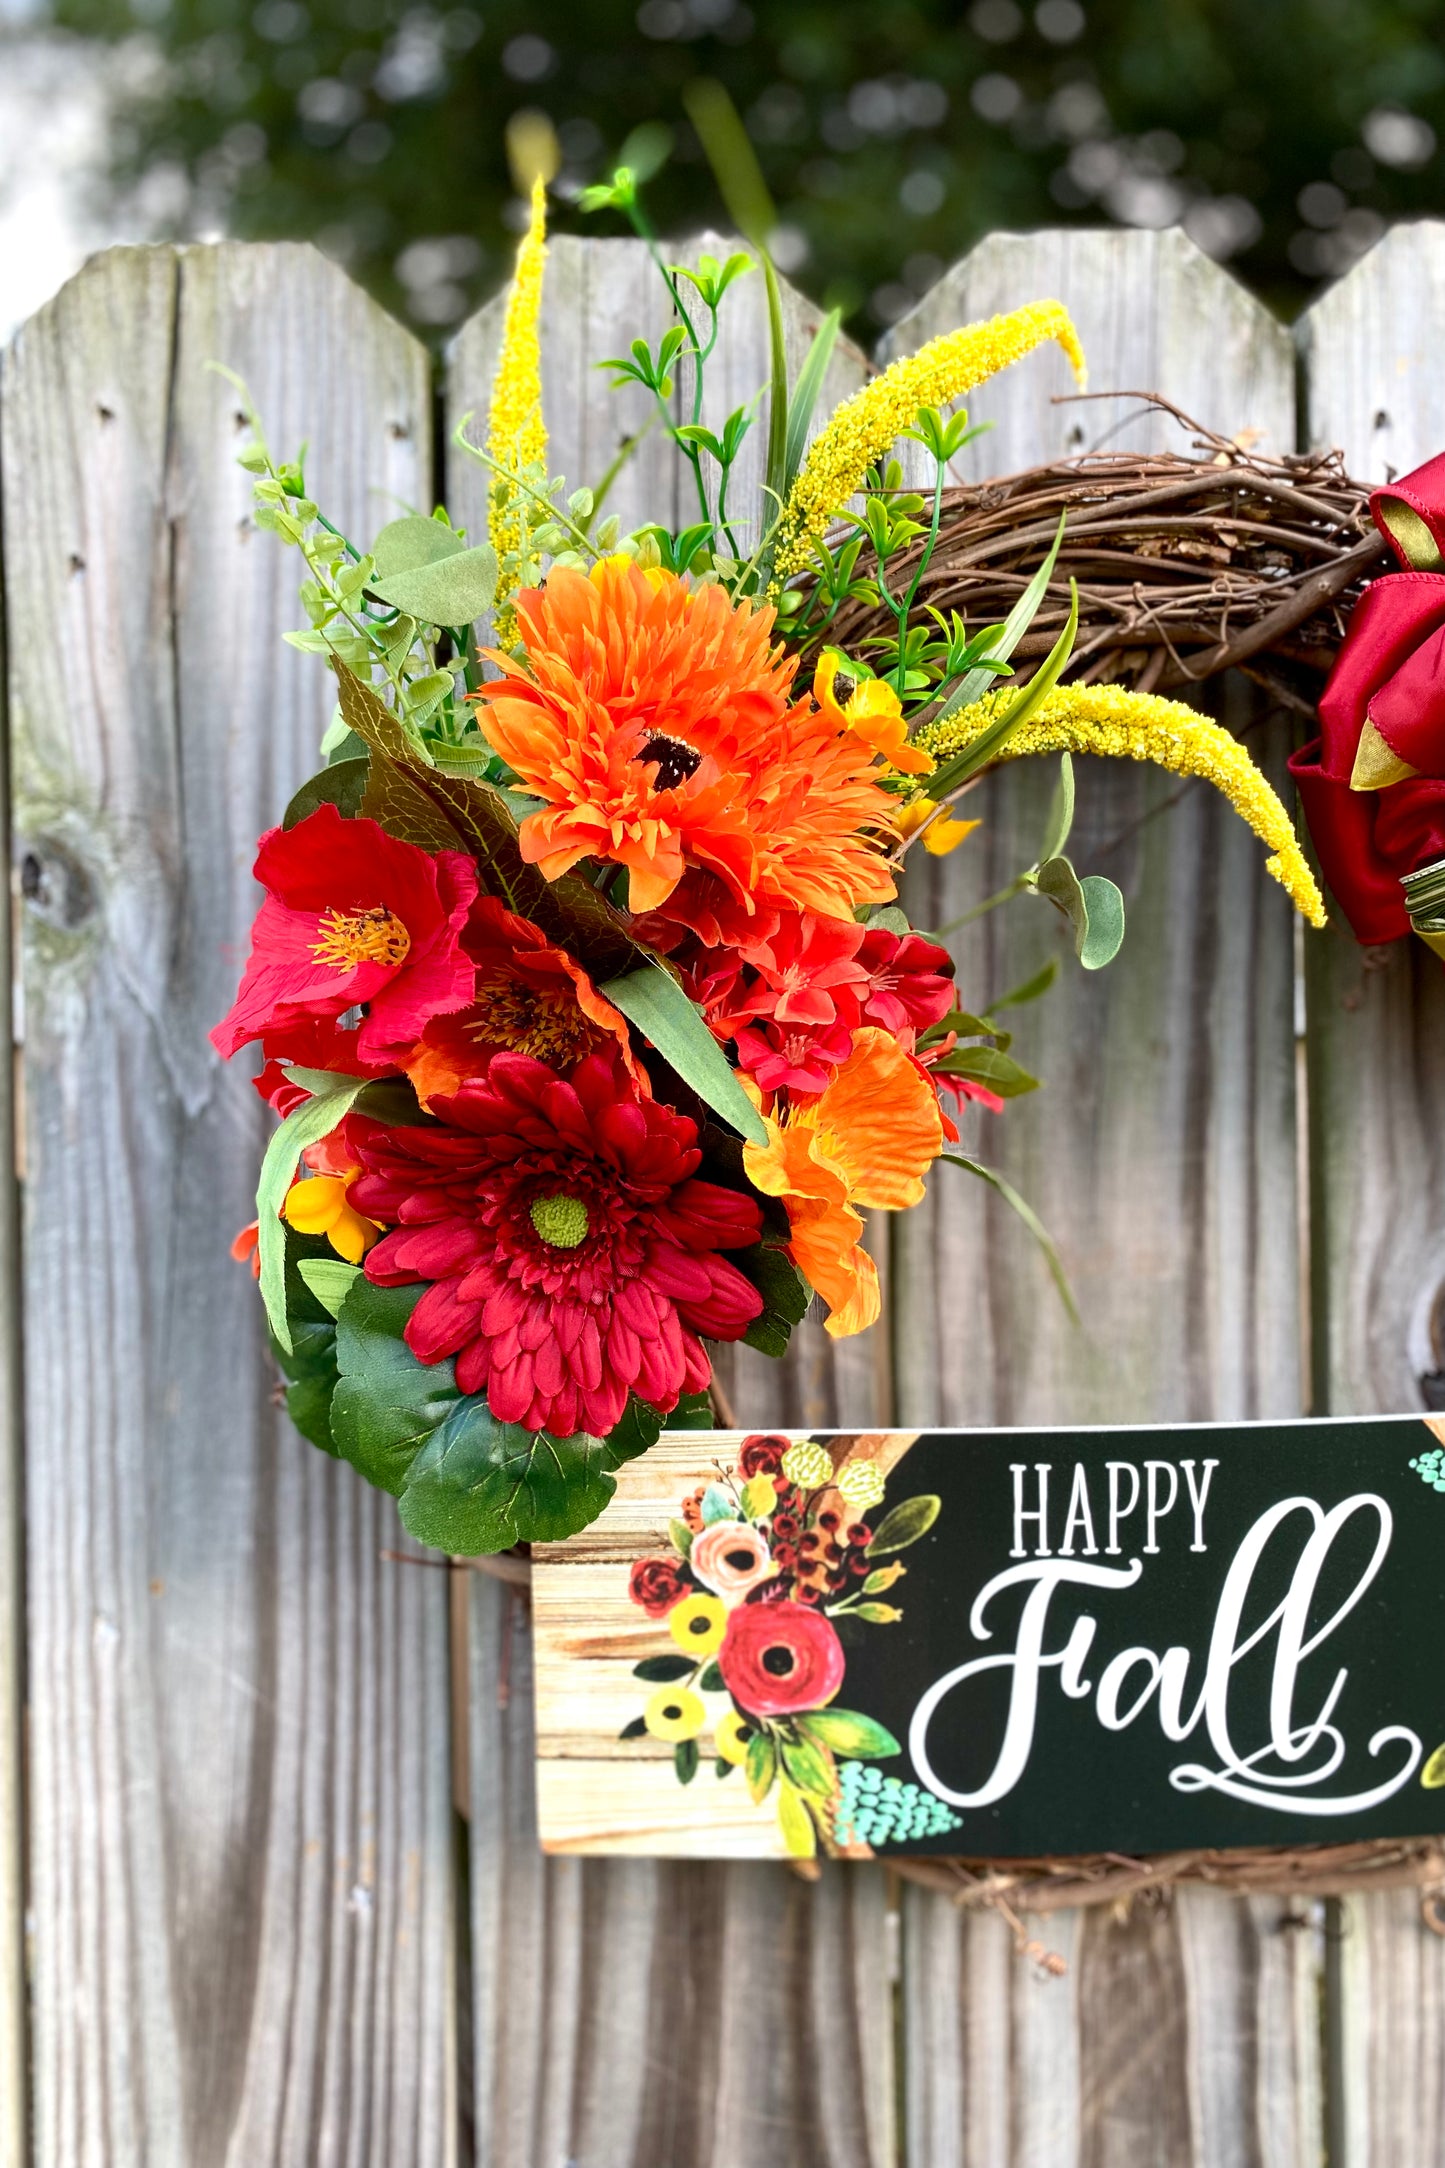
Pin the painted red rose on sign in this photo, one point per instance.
(657, 1584)
(778, 1657)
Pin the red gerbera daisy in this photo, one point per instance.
(353, 915)
(571, 1247)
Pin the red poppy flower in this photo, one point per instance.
(529, 997)
(779, 1657)
(910, 982)
(656, 1584)
(571, 1247)
(353, 916)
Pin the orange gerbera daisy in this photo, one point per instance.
(655, 719)
(866, 1140)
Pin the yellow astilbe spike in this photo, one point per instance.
(864, 427)
(516, 431)
(1125, 725)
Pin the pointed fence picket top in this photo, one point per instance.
(580, 1967)
(239, 1821)
(1376, 1028)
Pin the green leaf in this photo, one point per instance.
(453, 590)
(1105, 937)
(976, 683)
(310, 1369)
(891, 919)
(341, 784)
(662, 1670)
(305, 1125)
(404, 544)
(985, 748)
(330, 1280)
(694, 1411)
(652, 1000)
(721, 1768)
(987, 1065)
(846, 1731)
(681, 1536)
(805, 395)
(910, 1519)
(1030, 1219)
(1061, 810)
(637, 1729)
(777, 377)
(1031, 988)
(876, 1614)
(810, 1767)
(711, 1680)
(786, 1295)
(639, 1428)
(684, 1760)
(386, 1403)
(761, 1765)
(479, 1485)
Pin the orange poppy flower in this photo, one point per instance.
(655, 720)
(866, 1140)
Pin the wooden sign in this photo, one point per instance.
(1000, 1643)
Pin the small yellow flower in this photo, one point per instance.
(872, 710)
(862, 1483)
(732, 1737)
(318, 1206)
(674, 1713)
(866, 426)
(1125, 725)
(940, 836)
(697, 1624)
(808, 1465)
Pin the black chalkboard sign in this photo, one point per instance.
(1001, 1642)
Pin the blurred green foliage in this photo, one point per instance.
(1284, 134)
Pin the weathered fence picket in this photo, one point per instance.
(240, 1866)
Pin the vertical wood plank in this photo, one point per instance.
(1161, 1155)
(240, 1824)
(13, 2069)
(1376, 1023)
(632, 2012)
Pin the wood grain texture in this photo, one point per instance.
(13, 2044)
(240, 1829)
(1161, 1155)
(631, 2014)
(1376, 1046)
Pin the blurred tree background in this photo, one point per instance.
(1283, 134)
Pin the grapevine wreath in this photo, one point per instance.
(581, 986)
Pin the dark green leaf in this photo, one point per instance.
(386, 1403)
(987, 747)
(341, 785)
(986, 1065)
(1031, 988)
(478, 1485)
(785, 1294)
(694, 1411)
(652, 1000)
(711, 1681)
(761, 1764)
(684, 1760)
(639, 1428)
(453, 590)
(906, 1522)
(846, 1731)
(662, 1670)
(637, 1729)
(721, 1768)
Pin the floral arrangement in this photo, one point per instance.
(581, 986)
(771, 1565)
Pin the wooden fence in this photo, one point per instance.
(242, 1922)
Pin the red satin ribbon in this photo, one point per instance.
(1390, 669)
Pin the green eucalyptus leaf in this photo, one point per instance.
(1105, 936)
(1061, 810)
(387, 1403)
(891, 919)
(453, 590)
(652, 1000)
(1057, 880)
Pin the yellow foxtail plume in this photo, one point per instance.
(516, 432)
(1125, 725)
(864, 427)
